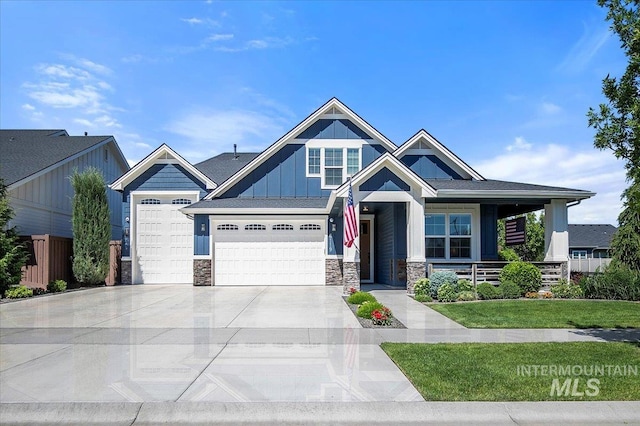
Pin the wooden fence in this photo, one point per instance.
(50, 259)
(478, 272)
(589, 265)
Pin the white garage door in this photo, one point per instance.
(269, 252)
(164, 243)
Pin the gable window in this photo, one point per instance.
(333, 162)
(333, 166)
(353, 161)
(314, 161)
(448, 236)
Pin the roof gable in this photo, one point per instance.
(332, 110)
(591, 236)
(27, 154)
(162, 154)
(223, 166)
(422, 143)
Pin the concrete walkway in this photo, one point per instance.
(191, 353)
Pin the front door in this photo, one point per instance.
(366, 255)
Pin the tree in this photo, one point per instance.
(91, 227)
(533, 249)
(617, 125)
(12, 254)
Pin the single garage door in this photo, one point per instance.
(269, 252)
(164, 242)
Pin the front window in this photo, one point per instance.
(448, 236)
(333, 166)
(579, 254)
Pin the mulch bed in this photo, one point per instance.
(367, 323)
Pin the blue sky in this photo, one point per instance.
(505, 85)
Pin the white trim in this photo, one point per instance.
(262, 211)
(457, 193)
(289, 138)
(441, 151)
(372, 257)
(448, 209)
(201, 257)
(306, 162)
(156, 158)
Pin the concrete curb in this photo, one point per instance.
(203, 413)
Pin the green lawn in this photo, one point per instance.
(543, 313)
(505, 372)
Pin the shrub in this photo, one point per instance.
(616, 282)
(366, 309)
(381, 316)
(487, 291)
(438, 278)
(37, 291)
(546, 295)
(510, 290)
(423, 298)
(12, 253)
(532, 295)
(509, 255)
(566, 290)
(447, 293)
(464, 285)
(57, 286)
(466, 296)
(18, 292)
(359, 297)
(421, 287)
(527, 276)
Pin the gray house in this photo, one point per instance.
(590, 241)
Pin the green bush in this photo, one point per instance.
(359, 297)
(464, 285)
(421, 287)
(366, 309)
(18, 292)
(527, 276)
(466, 296)
(487, 291)
(438, 278)
(566, 290)
(616, 283)
(510, 290)
(37, 291)
(57, 286)
(509, 255)
(423, 298)
(447, 293)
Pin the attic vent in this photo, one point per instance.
(334, 110)
(423, 145)
(282, 227)
(255, 227)
(310, 227)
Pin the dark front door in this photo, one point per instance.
(365, 250)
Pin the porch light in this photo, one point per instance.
(203, 227)
(365, 208)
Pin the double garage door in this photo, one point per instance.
(269, 252)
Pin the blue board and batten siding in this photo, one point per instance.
(429, 167)
(200, 237)
(327, 128)
(158, 177)
(384, 180)
(489, 232)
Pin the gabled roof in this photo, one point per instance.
(332, 105)
(591, 236)
(162, 153)
(503, 189)
(394, 165)
(422, 137)
(28, 153)
(223, 166)
(261, 206)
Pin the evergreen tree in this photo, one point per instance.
(91, 227)
(12, 253)
(617, 125)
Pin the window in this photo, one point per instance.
(227, 227)
(353, 161)
(333, 166)
(255, 227)
(310, 227)
(150, 201)
(180, 201)
(579, 254)
(314, 161)
(282, 227)
(448, 236)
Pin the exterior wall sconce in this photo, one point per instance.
(203, 227)
(333, 227)
(365, 209)
(126, 219)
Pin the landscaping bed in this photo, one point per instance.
(367, 323)
(516, 371)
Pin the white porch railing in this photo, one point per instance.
(588, 265)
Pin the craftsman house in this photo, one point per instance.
(276, 217)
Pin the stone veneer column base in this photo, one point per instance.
(125, 272)
(202, 272)
(333, 271)
(415, 271)
(351, 276)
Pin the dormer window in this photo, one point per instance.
(333, 163)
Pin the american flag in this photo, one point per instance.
(515, 231)
(350, 224)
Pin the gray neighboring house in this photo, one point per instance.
(36, 165)
(590, 241)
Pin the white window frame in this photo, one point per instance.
(578, 254)
(345, 145)
(309, 174)
(452, 209)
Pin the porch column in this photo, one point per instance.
(351, 255)
(416, 260)
(556, 234)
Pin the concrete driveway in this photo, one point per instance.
(185, 343)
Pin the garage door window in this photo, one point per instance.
(255, 227)
(282, 227)
(180, 201)
(150, 201)
(227, 227)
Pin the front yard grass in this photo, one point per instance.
(543, 313)
(495, 372)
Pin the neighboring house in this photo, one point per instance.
(36, 165)
(590, 241)
(276, 218)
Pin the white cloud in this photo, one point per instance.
(28, 107)
(83, 122)
(92, 66)
(192, 21)
(549, 108)
(63, 71)
(583, 50)
(218, 37)
(142, 145)
(563, 166)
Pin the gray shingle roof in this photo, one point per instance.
(491, 185)
(25, 152)
(260, 203)
(591, 236)
(223, 166)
